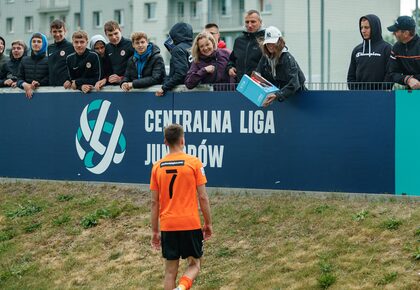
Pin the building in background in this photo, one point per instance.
(20, 18)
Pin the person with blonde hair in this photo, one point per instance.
(279, 67)
(209, 63)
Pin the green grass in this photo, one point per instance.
(68, 236)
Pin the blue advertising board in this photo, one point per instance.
(319, 141)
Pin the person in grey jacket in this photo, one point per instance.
(146, 67)
(279, 67)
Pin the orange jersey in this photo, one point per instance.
(176, 177)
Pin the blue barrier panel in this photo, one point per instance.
(407, 143)
(329, 141)
(38, 137)
(321, 141)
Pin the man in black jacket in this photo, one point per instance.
(146, 67)
(246, 51)
(119, 50)
(83, 65)
(9, 71)
(179, 45)
(370, 59)
(404, 63)
(57, 53)
(33, 69)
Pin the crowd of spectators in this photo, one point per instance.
(90, 64)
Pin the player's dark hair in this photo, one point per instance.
(57, 24)
(210, 25)
(173, 133)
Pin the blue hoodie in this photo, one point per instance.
(44, 46)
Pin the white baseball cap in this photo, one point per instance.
(272, 35)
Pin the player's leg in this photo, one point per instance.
(187, 279)
(192, 250)
(171, 271)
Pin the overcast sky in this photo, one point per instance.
(407, 6)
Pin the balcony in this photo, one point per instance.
(48, 6)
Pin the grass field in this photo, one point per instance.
(78, 236)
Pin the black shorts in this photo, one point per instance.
(176, 244)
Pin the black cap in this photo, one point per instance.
(403, 23)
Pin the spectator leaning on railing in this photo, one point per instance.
(58, 52)
(83, 65)
(369, 60)
(9, 71)
(33, 69)
(405, 54)
(279, 67)
(97, 44)
(209, 63)
(119, 50)
(146, 67)
(179, 45)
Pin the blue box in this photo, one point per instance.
(256, 89)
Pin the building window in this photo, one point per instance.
(194, 13)
(150, 9)
(180, 9)
(63, 18)
(226, 7)
(119, 16)
(76, 21)
(9, 25)
(52, 18)
(29, 24)
(97, 19)
(265, 5)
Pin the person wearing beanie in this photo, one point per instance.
(179, 45)
(404, 66)
(9, 71)
(246, 52)
(33, 69)
(58, 52)
(279, 67)
(370, 59)
(97, 44)
(3, 57)
(146, 67)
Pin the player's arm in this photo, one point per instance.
(155, 219)
(205, 209)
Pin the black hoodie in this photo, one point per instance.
(3, 57)
(182, 35)
(370, 59)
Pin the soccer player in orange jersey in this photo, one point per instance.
(175, 181)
